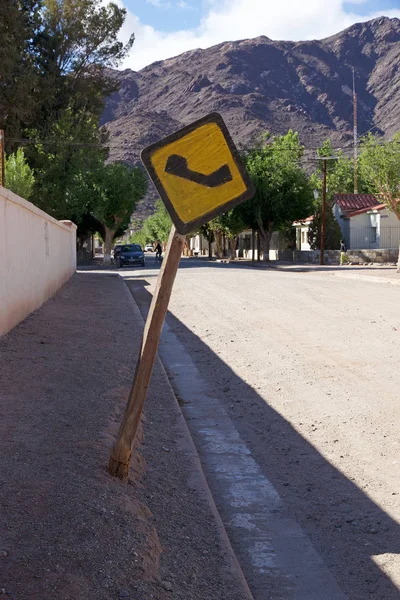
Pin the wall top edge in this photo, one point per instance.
(25, 204)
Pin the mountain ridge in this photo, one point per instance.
(260, 84)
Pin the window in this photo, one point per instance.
(372, 235)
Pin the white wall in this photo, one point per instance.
(37, 256)
(387, 230)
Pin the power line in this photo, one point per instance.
(128, 146)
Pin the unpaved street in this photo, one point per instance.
(306, 365)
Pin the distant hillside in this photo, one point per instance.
(260, 85)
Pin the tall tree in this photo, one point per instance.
(77, 44)
(115, 190)
(65, 164)
(57, 53)
(155, 228)
(379, 163)
(208, 233)
(20, 22)
(283, 191)
(339, 180)
(233, 224)
(339, 173)
(332, 235)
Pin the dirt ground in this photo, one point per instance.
(68, 530)
(307, 365)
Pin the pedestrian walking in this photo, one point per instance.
(343, 257)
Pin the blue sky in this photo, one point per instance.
(166, 28)
(172, 15)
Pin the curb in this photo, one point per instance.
(368, 278)
(199, 475)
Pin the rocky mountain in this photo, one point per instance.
(260, 85)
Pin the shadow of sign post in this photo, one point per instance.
(199, 175)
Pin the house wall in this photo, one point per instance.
(302, 237)
(198, 245)
(37, 256)
(389, 229)
(331, 257)
(373, 230)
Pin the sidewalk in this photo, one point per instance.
(373, 273)
(68, 530)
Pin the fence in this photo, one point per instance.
(371, 238)
(37, 255)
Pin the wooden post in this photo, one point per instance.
(2, 169)
(120, 456)
(323, 217)
(253, 245)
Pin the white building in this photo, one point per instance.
(302, 228)
(365, 223)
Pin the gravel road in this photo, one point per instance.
(307, 367)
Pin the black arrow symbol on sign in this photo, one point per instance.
(177, 165)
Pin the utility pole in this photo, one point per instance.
(2, 170)
(355, 136)
(323, 219)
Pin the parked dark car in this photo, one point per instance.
(131, 254)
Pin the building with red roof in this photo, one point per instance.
(365, 222)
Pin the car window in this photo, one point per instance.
(131, 248)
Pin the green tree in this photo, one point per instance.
(379, 163)
(217, 228)
(115, 189)
(158, 226)
(19, 176)
(77, 43)
(228, 225)
(20, 22)
(206, 231)
(332, 235)
(283, 191)
(339, 174)
(64, 165)
(233, 226)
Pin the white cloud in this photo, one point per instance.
(238, 19)
(182, 5)
(159, 3)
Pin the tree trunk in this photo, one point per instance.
(265, 236)
(108, 244)
(218, 241)
(210, 245)
(232, 246)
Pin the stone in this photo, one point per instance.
(167, 585)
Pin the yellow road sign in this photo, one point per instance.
(198, 173)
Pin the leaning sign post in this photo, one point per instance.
(199, 175)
